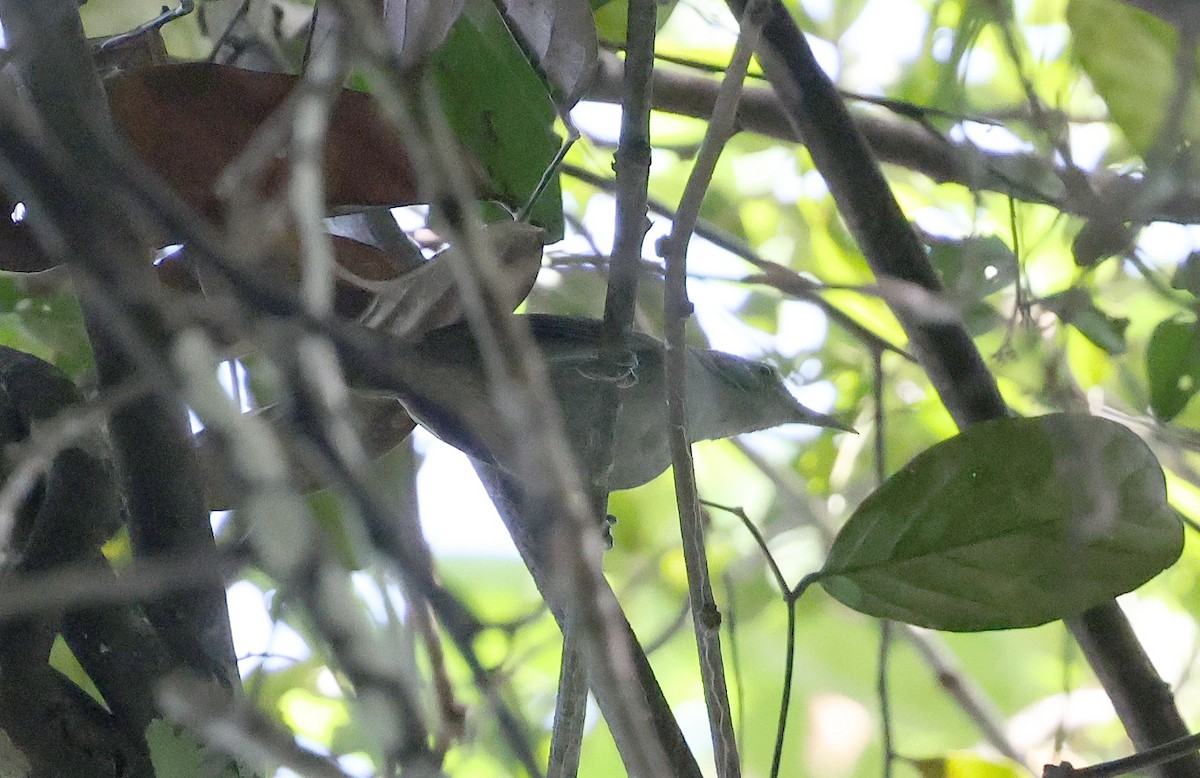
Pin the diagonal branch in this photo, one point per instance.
(903, 141)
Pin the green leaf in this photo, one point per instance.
(1173, 366)
(499, 107)
(1075, 307)
(176, 752)
(613, 17)
(1187, 275)
(1012, 523)
(1128, 54)
(972, 269)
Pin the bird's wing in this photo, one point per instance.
(575, 339)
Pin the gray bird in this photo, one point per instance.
(446, 391)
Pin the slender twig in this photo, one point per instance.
(739, 682)
(1151, 757)
(632, 164)
(885, 626)
(883, 691)
(789, 671)
(78, 585)
(965, 692)
(570, 706)
(677, 307)
(319, 89)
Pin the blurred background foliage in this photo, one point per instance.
(1058, 335)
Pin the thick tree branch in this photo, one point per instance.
(910, 144)
(73, 510)
(121, 302)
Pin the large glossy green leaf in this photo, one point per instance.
(1173, 367)
(1012, 523)
(499, 107)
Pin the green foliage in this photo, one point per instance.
(1076, 307)
(41, 316)
(1173, 366)
(1128, 54)
(1007, 524)
(1012, 523)
(499, 107)
(177, 754)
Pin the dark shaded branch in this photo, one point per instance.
(124, 315)
(954, 365)
(72, 509)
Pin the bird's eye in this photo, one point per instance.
(764, 371)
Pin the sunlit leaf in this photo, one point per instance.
(1128, 54)
(1173, 367)
(63, 660)
(965, 765)
(1075, 307)
(1012, 523)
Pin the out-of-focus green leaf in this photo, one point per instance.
(315, 716)
(44, 319)
(976, 266)
(1128, 54)
(612, 18)
(498, 106)
(1187, 275)
(972, 269)
(176, 752)
(1173, 366)
(1012, 523)
(1075, 307)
